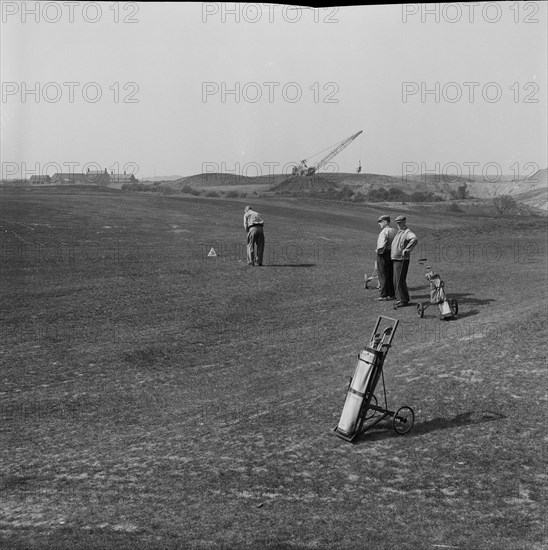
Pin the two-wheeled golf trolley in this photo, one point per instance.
(361, 410)
(368, 278)
(448, 308)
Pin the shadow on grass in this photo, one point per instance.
(463, 419)
(384, 430)
(461, 298)
(464, 314)
(288, 265)
(432, 311)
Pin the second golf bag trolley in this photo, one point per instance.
(361, 409)
(368, 278)
(448, 308)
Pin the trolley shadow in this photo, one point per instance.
(436, 424)
(463, 299)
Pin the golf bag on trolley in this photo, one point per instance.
(361, 405)
(448, 308)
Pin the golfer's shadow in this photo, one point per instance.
(383, 430)
(289, 265)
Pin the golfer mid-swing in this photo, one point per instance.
(253, 224)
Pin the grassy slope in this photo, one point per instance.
(153, 397)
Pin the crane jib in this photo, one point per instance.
(304, 170)
(336, 151)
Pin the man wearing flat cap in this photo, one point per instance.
(384, 260)
(402, 245)
(253, 224)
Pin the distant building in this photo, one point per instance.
(97, 177)
(68, 178)
(93, 177)
(40, 180)
(122, 178)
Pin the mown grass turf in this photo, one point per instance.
(155, 397)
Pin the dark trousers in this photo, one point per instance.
(400, 274)
(385, 272)
(255, 244)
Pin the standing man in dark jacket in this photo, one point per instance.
(253, 224)
(402, 245)
(384, 260)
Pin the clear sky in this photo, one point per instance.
(168, 88)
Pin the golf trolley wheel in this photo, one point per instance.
(420, 310)
(403, 420)
(371, 412)
(454, 306)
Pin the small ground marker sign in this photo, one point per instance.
(212, 253)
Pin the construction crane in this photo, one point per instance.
(304, 170)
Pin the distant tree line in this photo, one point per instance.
(157, 187)
(504, 204)
(343, 193)
(395, 194)
(460, 193)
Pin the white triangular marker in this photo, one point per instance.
(212, 253)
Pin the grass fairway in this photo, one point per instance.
(153, 397)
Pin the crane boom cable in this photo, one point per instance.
(304, 170)
(342, 145)
(326, 149)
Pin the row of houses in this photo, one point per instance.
(91, 177)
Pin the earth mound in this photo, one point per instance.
(320, 186)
